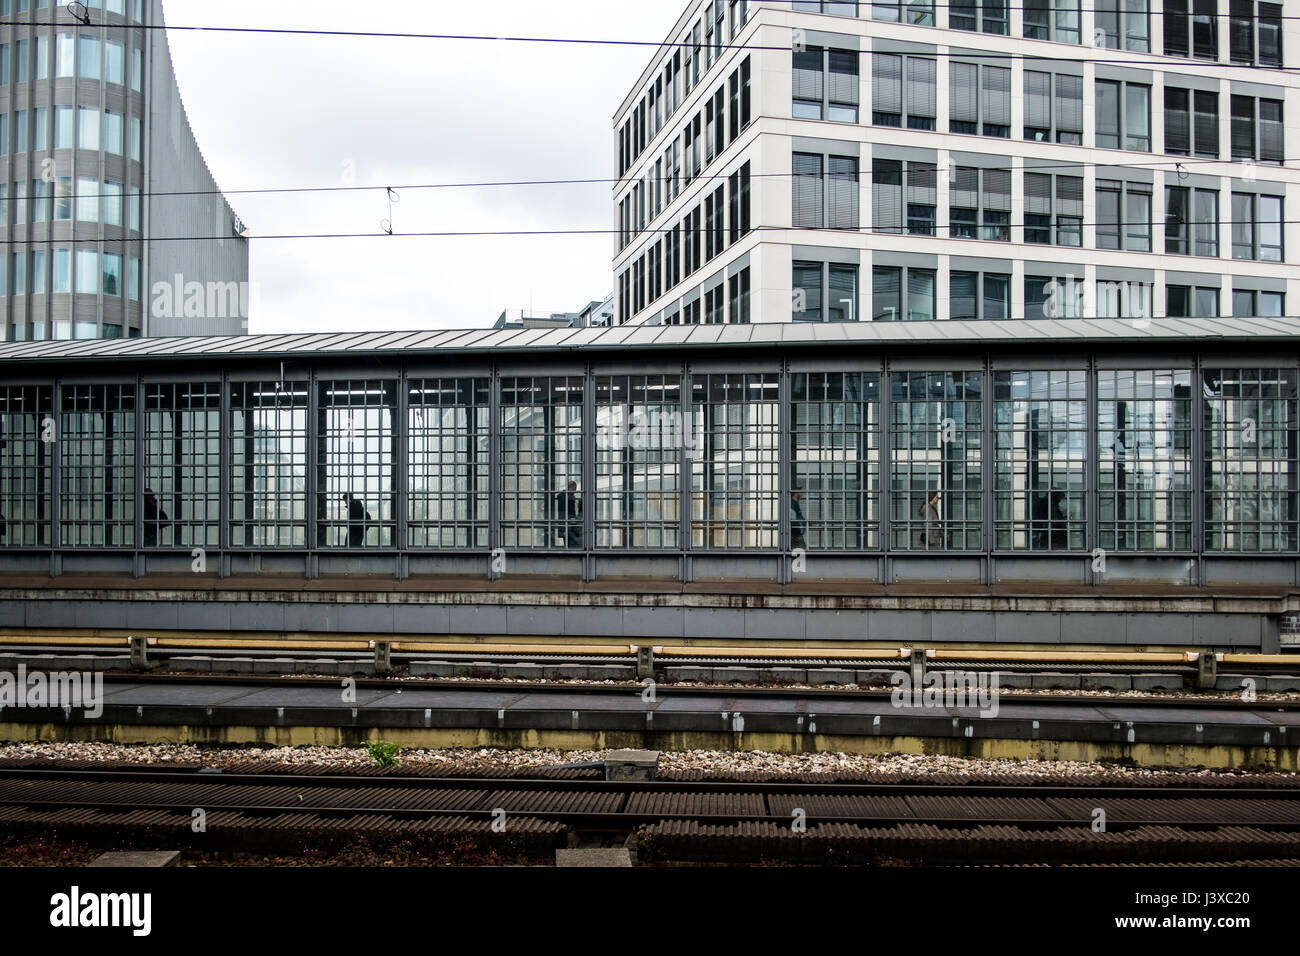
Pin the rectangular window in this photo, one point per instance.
(41, 128)
(914, 12)
(1144, 440)
(137, 69)
(112, 268)
(936, 461)
(87, 128)
(42, 57)
(97, 466)
(974, 296)
(88, 65)
(87, 200)
(40, 200)
(64, 130)
(735, 474)
(18, 285)
(87, 271)
(40, 272)
(980, 204)
(26, 472)
(1052, 20)
(113, 133)
(355, 500)
(1053, 209)
(1250, 493)
(1040, 434)
(113, 204)
(835, 444)
(66, 54)
(114, 65)
(63, 270)
(826, 84)
(63, 199)
(20, 131)
(268, 461)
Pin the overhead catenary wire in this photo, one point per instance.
(506, 233)
(1132, 60)
(864, 173)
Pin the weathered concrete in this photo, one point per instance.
(134, 858)
(618, 856)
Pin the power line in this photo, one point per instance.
(865, 174)
(486, 38)
(454, 234)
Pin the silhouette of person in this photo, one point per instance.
(568, 510)
(798, 524)
(357, 518)
(154, 518)
(932, 534)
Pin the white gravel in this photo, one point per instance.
(727, 762)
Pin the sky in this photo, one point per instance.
(276, 111)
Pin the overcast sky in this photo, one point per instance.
(273, 111)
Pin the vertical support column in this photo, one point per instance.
(784, 478)
(225, 455)
(494, 466)
(884, 574)
(401, 472)
(316, 502)
(588, 474)
(56, 478)
(138, 475)
(1199, 416)
(687, 456)
(988, 476)
(1092, 475)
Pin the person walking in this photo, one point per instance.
(932, 533)
(568, 511)
(798, 524)
(154, 518)
(357, 518)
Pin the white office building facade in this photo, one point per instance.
(838, 161)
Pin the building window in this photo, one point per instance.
(835, 446)
(1049, 119)
(979, 99)
(714, 305)
(1187, 132)
(1247, 304)
(1053, 297)
(87, 200)
(1192, 31)
(1053, 211)
(63, 199)
(1257, 131)
(825, 191)
(1191, 302)
(1257, 227)
(114, 65)
(1123, 215)
(973, 296)
(87, 128)
(1052, 20)
(1255, 33)
(355, 500)
(738, 289)
(740, 204)
(740, 100)
(63, 270)
(41, 128)
(903, 91)
(936, 468)
(26, 465)
(914, 12)
(898, 293)
(985, 16)
(181, 500)
(735, 476)
(1144, 440)
(88, 65)
(824, 292)
(113, 133)
(980, 204)
(96, 449)
(541, 462)
(65, 56)
(1040, 434)
(64, 130)
(449, 463)
(843, 8)
(1124, 299)
(640, 432)
(1250, 472)
(1123, 115)
(826, 84)
(1123, 25)
(268, 479)
(111, 263)
(1191, 221)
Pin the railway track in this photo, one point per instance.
(673, 819)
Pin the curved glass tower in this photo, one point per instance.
(98, 167)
